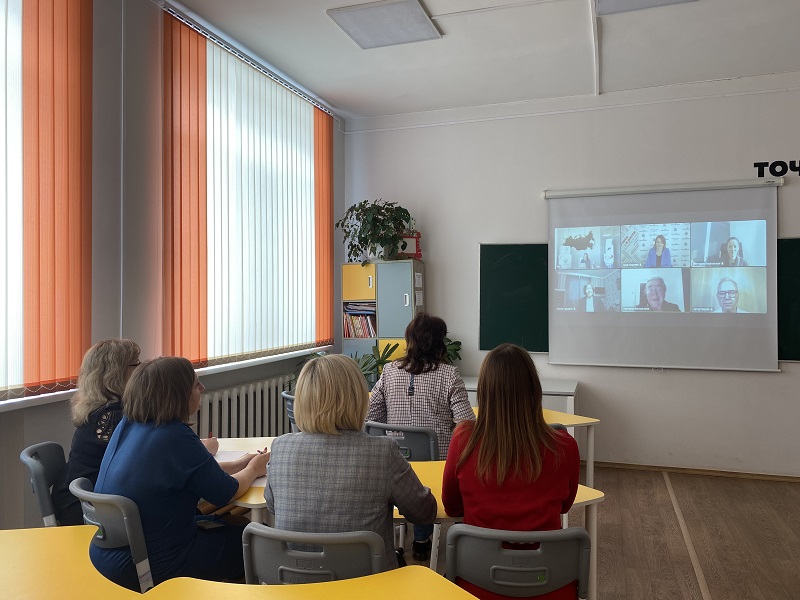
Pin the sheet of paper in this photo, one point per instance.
(418, 299)
(417, 280)
(229, 455)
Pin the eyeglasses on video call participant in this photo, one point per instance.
(728, 296)
(655, 292)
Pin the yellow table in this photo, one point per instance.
(409, 582)
(254, 497)
(53, 562)
(569, 420)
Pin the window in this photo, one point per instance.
(248, 224)
(45, 200)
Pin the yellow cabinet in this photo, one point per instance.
(358, 283)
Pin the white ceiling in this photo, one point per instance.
(504, 51)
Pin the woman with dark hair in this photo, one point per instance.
(510, 470)
(658, 256)
(96, 409)
(423, 390)
(155, 459)
(732, 253)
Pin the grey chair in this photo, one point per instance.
(416, 443)
(46, 464)
(275, 556)
(419, 444)
(288, 402)
(118, 525)
(477, 555)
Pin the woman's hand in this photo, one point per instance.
(211, 444)
(259, 462)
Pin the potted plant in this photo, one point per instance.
(374, 229)
(453, 350)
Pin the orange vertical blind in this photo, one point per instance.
(185, 246)
(323, 213)
(57, 131)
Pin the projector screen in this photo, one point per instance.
(683, 279)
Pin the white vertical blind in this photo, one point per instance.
(11, 291)
(261, 240)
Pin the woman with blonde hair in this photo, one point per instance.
(332, 477)
(155, 459)
(509, 469)
(96, 409)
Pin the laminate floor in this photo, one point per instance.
(665, 536)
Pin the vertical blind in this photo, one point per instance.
(45, 253)
(248, 258)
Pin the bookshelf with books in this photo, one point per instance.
(379, 299)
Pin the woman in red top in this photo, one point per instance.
(510, 470)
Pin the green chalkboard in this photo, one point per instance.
(789, 299)
(513, 295)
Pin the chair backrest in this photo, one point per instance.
(275, 556)
(477, 555)
(118, 525)
(46, 464)
(416, 443)
(288, 402)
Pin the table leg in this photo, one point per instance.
(591, 528)
(437, 531)
(257, 515)
(590, 456)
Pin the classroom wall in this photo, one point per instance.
(477, 175)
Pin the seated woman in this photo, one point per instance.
(96, 410)
(423, 390)
(510, 470)
(332, 477)
(156, 460)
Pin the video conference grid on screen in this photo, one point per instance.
(698, 267)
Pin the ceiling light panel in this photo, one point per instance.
(385, 23)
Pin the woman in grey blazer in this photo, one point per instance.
(333, 477)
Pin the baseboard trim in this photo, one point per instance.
(709, 472)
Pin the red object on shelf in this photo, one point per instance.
(413, 248)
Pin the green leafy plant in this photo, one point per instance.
(453, 350)
(375, 228)
(371, 364)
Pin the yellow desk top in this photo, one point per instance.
(408, 582)
(566, 419)
(53, 562)
(430, 474)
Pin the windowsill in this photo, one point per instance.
(254, 362)
(41, 399)
(31, 401)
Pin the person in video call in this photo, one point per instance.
(728, 296)
(732, 255)
(655, 291)
(658, 256)
(586, 261)
(589, 303)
